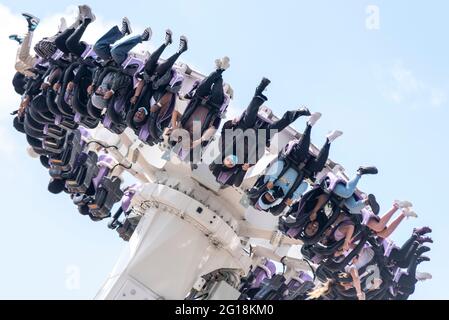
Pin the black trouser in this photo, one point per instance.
(152, 63)
(301, 150)
(212, 87)
(69, 40)
(408, 281)
(250, 117)
(153, 68)
(404, 255)
(166, 66)
(316, 165)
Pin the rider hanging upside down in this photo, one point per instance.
(209, 100)
(156, 92)
(24, 60)
(252, 152)
(346, 191)
(108, 81)
(291, 169)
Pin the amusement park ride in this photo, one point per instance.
(191, 236)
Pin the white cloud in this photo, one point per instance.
(401, 86)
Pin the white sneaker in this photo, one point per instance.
(86, 13)
(225, 63)
(62, 25)
(314, 118)
(218, 64)
(334, 135)
(403, 204)
(423, 276)
(409, 213)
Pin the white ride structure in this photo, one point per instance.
(193, 236)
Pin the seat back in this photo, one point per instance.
(107, 194)
(84, 175)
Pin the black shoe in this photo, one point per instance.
(367, 170)
(304, 112)
(147, 34)
(422, 259)
(261, 88)
(168, 37)
(33, 21)
(422, 231)
(423, 240)
(183, 44)
(126, 27)
(373, 204)
(421, 250)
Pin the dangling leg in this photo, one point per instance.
(217, 95)
(120, 51)
(317, 165)
(301, 150)
(61, 40)
(164, 67)
(73, 43)
(103, 46)
(407, 249)
(287, 119)
(393, 226)
(151, 64)
(205, 87)
(249, 117)
(346, 191)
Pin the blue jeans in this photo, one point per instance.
(347, 192)
(118, 52)
(103, 46)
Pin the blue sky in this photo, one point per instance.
(387, 89)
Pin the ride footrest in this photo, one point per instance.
(272, 289)
(108, 193)
(128, 227)
(84, 175)
(56, 132)
(68, 124)
(89, 122)
(72, 148)
(53, 145)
